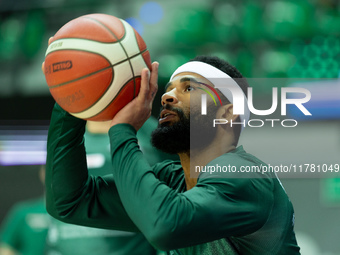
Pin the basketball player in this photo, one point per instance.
(216, 213)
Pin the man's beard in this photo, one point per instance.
(173, 138)
(189, 132)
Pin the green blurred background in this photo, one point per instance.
(263, 39)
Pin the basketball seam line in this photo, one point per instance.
(121, 45)
(134, 83)
(75, 38)
(93, 73)
(114, 35)
(108, 103)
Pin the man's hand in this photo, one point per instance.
(138, 110)
(43, 64)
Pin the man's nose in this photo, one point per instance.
(169, 97)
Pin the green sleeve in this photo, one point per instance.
(213, 209)
(72, 195)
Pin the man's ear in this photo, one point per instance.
(226, 112)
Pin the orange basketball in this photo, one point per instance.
(93, 66)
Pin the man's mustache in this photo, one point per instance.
(169, 107)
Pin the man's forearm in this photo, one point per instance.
(72, 195)
(66, 169)
(170, 219)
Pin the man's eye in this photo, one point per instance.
(189, 88)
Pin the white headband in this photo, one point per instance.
(223, 82)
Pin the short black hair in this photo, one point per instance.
(232, 71)
(225, 67)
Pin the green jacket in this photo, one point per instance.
(220, 215)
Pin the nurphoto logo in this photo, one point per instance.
(243, 105)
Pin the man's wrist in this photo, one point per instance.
(122, 128)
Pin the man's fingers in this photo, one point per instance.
(43, 64)
(50, 40)
(154, 80)
(139, 109)
(144, 87)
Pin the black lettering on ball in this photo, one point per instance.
(60, 66)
